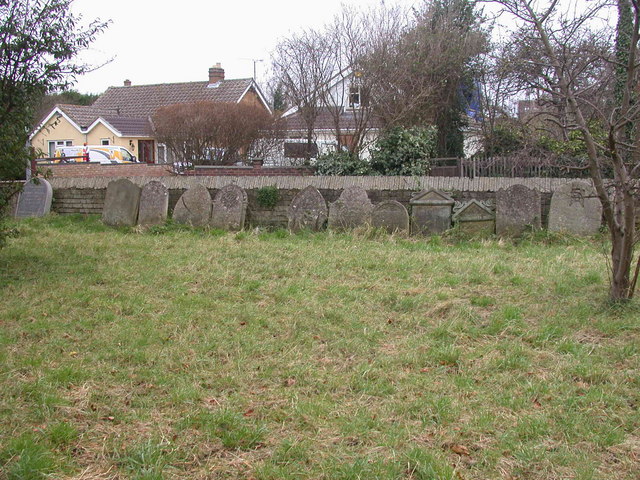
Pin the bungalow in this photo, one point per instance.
(122, 116)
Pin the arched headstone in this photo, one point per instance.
(308, 210)
(193, 207)
(229, 208)
(352, 209)
(390, 215)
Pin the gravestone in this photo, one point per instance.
(352, 209)
(154, 203)
(431, 212)
(308, 210)
(474, 218)
(35, 199)
(229, 208)
(390, 215)
(575, 209)
(193, 207)
(121, 203)
(517, 208)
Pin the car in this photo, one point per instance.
(104, 154)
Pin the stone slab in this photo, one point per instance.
(576, 209)
(229, 208)
(121, 203)
(518, 209)
(431, 212)
(35, 199)
(154, 203)
(474, 218)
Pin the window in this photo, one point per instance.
(300, 150)
(358, 96)
(104, 141)
(54, 144)
(354, 96)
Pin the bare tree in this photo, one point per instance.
(419, 67)
(557, 58)
(304, 64)
(212, 133)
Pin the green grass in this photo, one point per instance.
(180, 353)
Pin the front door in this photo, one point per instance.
(146, 151)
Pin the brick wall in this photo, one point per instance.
(92, 170)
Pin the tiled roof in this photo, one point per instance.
(84, 116)
(129, 109)
(131, 127)
(326, 121)
(144, 100)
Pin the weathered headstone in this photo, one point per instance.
(352, 209)
(576, 209)
(35, 199)
(475, 218)
(390, 215)
(431, 212)
(121, 203)
(229, 208)
(154, 203)
(517, 208)
(193, 207)
(308, 210)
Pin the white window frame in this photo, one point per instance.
(53, 145)
(103, 140)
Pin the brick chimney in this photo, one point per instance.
(127, 83)
(216, 74)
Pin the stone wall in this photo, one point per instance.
(86, 195)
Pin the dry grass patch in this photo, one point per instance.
(197, 354)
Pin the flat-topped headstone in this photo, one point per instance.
(518, 208)
(352, 209)
(35, 199)
(575, 208)
(193, 207)
(308, 210)
(121, 203)
(229, 208)
(431, 212)
(475, 218)
(390, 215)
(154, 203)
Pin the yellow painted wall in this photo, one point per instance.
(55, 130)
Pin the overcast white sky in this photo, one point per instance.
(163, 42)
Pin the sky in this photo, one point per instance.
(152, 42)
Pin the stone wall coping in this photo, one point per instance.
(445, 184)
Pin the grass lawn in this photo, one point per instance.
(201, 354)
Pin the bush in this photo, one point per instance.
(267, 197)
(404, 151)
(341, 163)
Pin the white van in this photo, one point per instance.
(105, 154)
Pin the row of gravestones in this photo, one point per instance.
(574, 209)
(126, 204)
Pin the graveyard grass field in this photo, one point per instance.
(179, 353)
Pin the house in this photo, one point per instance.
(122, 116)
(341, 118)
